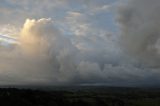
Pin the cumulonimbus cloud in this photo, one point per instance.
(45, 55)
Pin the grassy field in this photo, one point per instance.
(84, 96)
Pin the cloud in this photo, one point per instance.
(75, 47)
(51, 51)
(139, 24)
(45, 56)
(39, 54)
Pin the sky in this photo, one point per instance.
(80, 42)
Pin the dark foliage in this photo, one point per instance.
(97, 97)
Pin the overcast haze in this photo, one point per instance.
(80, 42)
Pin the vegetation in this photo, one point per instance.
(80, 97)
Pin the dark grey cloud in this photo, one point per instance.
(139, 25)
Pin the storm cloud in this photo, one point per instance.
(75, 47)
(44, 55)
(139, 25)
